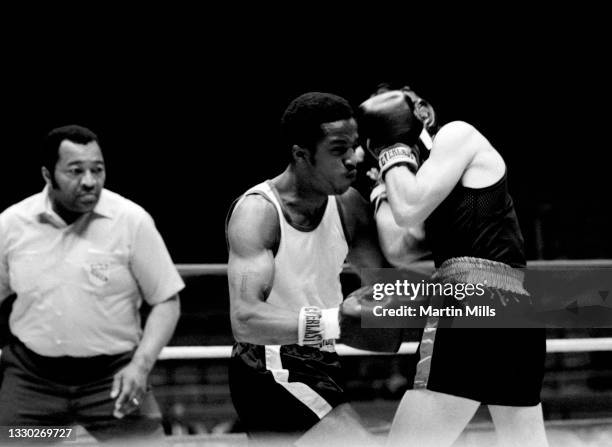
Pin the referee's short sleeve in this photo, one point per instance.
(152, 265)
(5, 285)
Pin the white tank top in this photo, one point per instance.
(308, 264)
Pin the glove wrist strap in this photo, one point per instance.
(330, 323)
(398, 154)
(310, 332)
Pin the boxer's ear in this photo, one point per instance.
(300, 154)
(422, 109)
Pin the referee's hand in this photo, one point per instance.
(129, 387)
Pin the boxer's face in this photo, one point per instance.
(79, 177)
(334, 163)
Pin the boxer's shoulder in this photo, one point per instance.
(254, 220)
(485, 166)
(459, 134)
(352, 201)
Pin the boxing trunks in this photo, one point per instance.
(495, 366)
(285, 388)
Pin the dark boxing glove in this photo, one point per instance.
(359, 302)
(387, 119)
(317, 325)
(391, 129)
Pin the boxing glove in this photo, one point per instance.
(316, 325)
(387, 119)
(352, 333)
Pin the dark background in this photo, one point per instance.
(188, 115)
(187, 104)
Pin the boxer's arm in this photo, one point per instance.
(413, 197)
(364, 251)
(252, 234)
(401, 246)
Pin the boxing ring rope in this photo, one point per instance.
(552, 345)
(221, 352)
(190, 270)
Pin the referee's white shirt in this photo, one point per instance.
(79, 286)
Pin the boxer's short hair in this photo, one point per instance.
(302, 120)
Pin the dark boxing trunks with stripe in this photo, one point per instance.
(496, 366)
(284, 388)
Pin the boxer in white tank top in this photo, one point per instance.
(288, 239)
